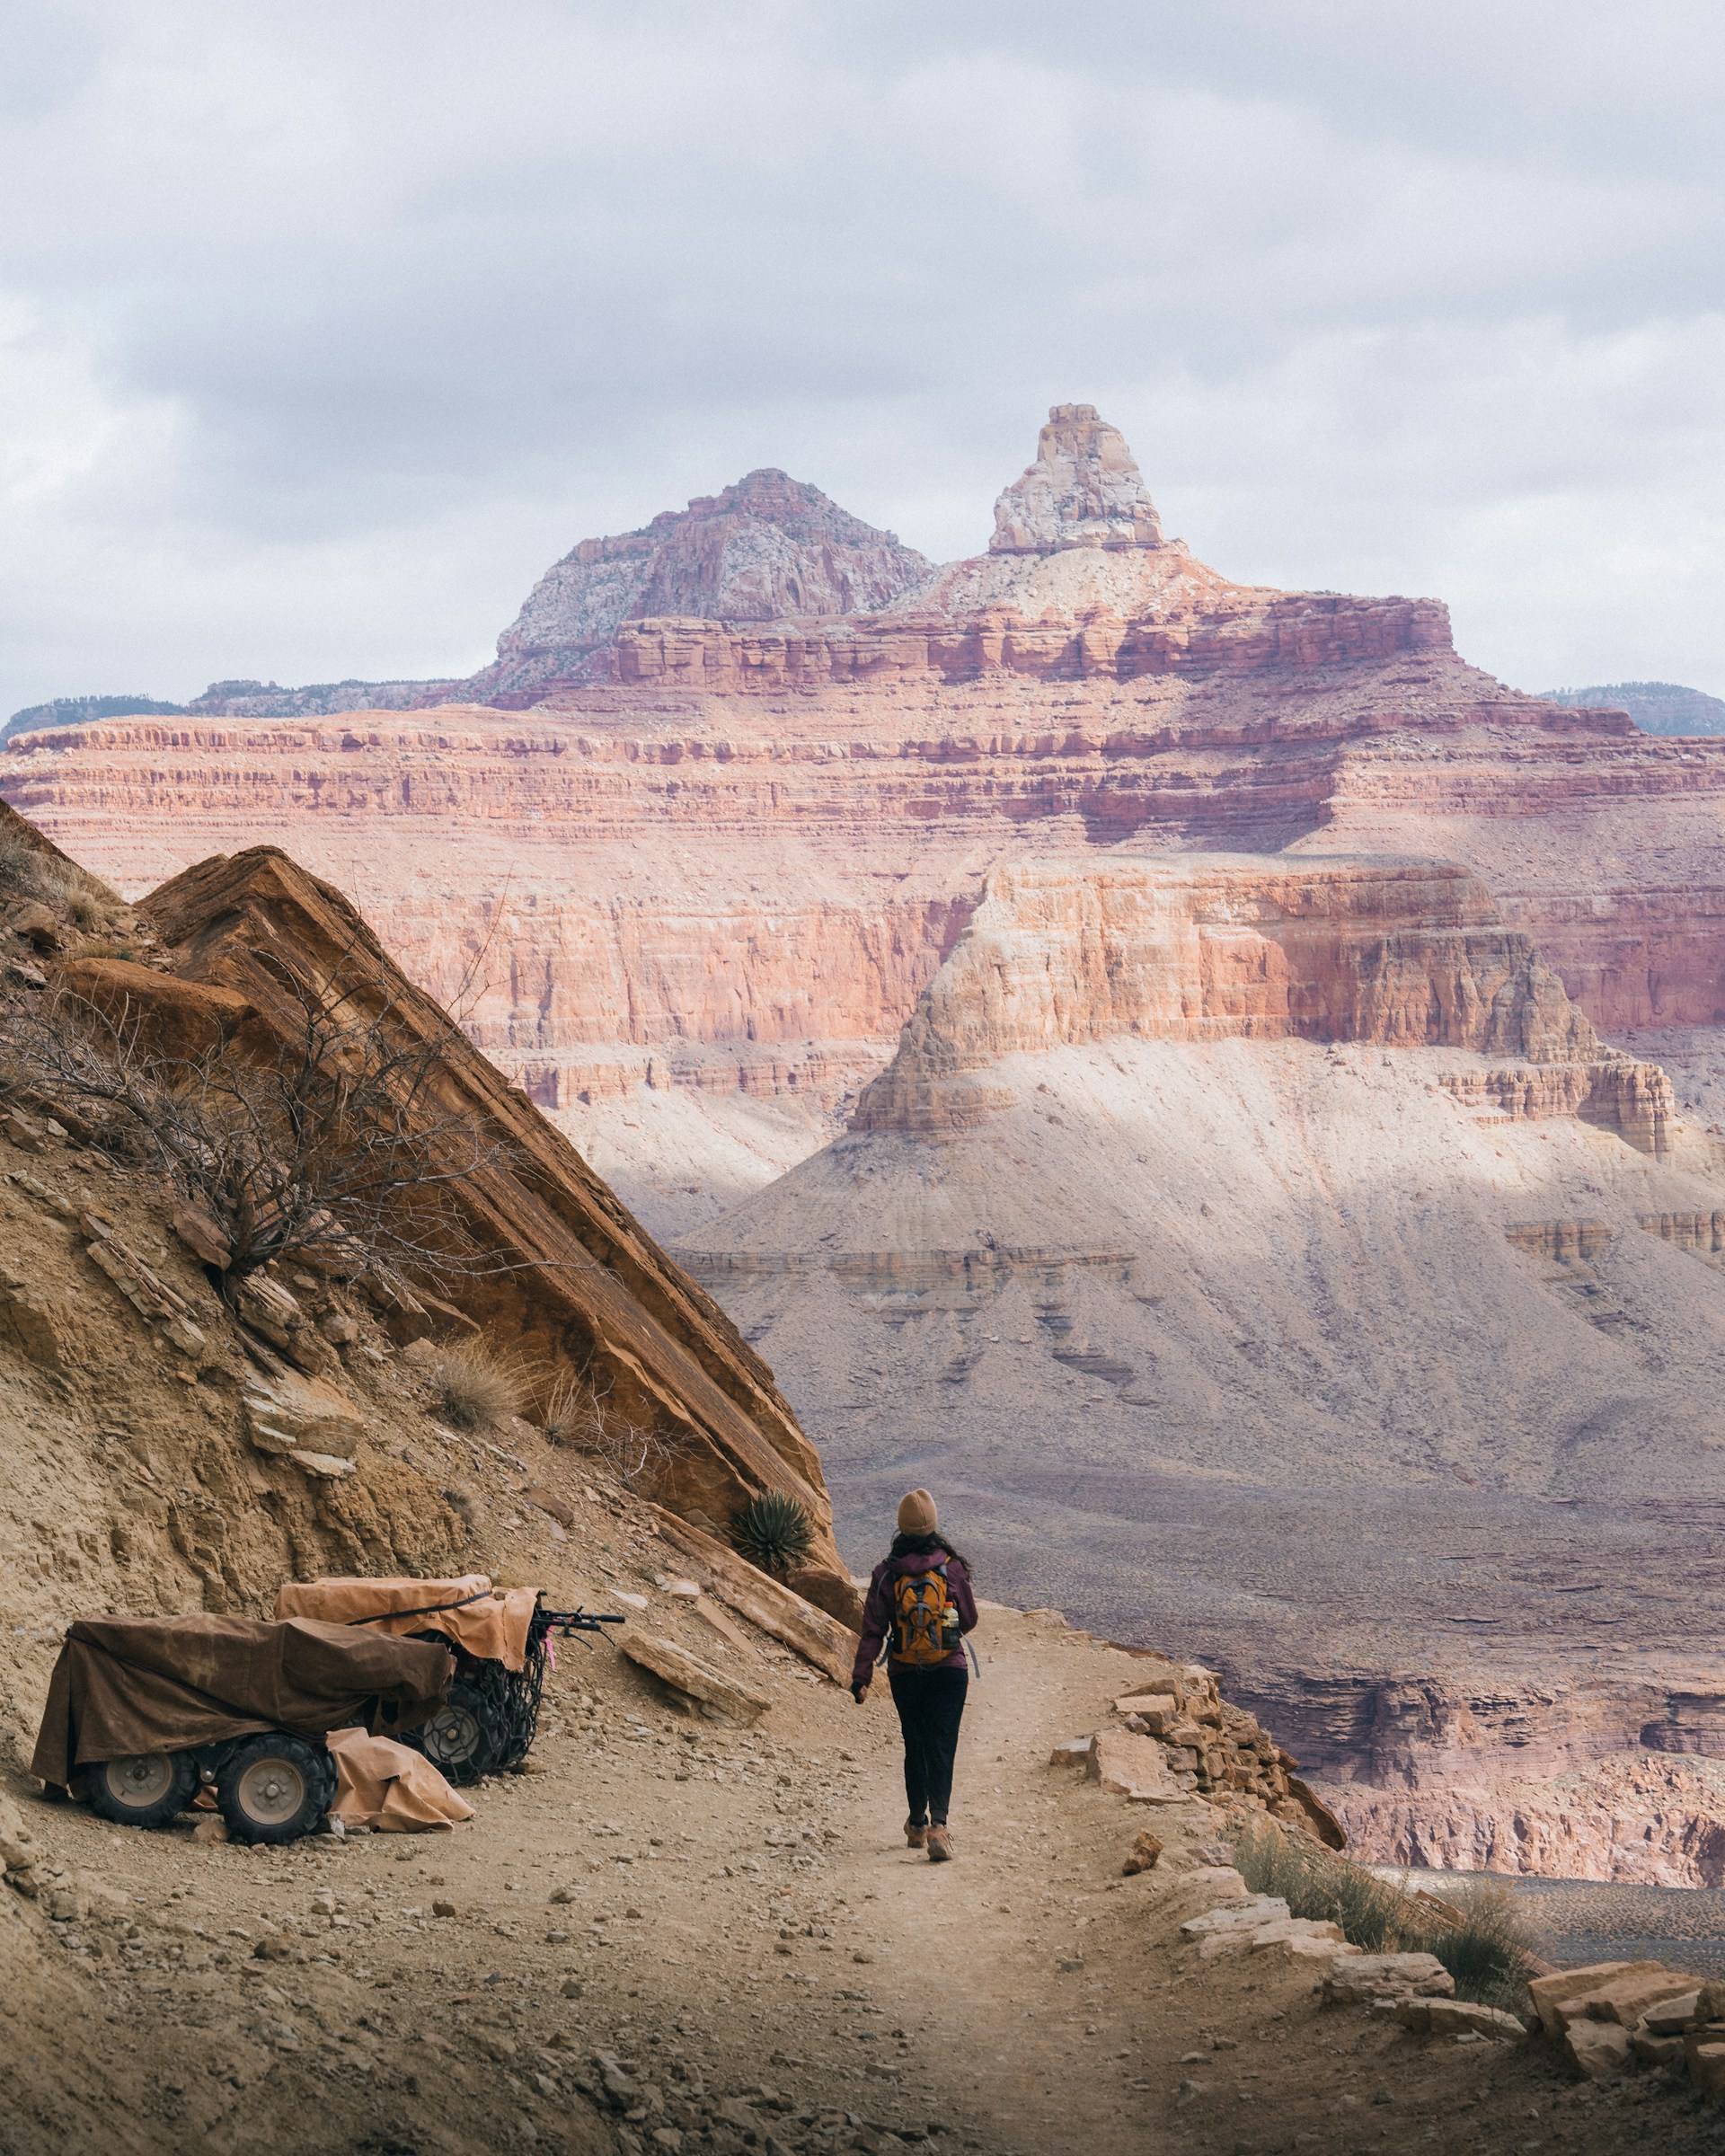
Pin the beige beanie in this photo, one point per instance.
(916, 1514)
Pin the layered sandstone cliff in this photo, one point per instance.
(711, 872)
(1404, 954)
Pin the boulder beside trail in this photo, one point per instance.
(1562, 1997)
(1367, 1978)
(676, 1666)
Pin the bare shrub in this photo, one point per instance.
(477, 1388)
(582, 1412)
(1489, 1952)
(569, 1410)
(20, 862)
(330, 1141)
(85, 901)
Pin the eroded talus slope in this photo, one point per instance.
(1304, 1284)
(712, 868)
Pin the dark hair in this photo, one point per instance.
(923, 1545)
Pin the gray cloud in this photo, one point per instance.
(323, 330)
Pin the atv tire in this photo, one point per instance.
(466, 1737)
(147, 1790)
(275, 1788)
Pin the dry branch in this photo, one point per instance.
(325, 1140)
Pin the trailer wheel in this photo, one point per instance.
(465, 1738)
(146, 1791)
(275, 1788)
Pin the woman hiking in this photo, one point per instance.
(919, 1606)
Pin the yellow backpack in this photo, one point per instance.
(925, 1619)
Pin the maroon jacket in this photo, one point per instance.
(877, 1611)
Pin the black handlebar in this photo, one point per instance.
(566, 1621)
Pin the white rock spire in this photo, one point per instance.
(1083, 490)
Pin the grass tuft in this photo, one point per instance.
(78, 896)
(477, 1387)
(571, 1412)
(1485, 1949)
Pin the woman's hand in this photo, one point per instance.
(859, 1692)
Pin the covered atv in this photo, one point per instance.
(143, 1711)
(501, 1640)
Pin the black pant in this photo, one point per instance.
(931, 1706)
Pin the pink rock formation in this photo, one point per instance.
(714, 866)
(1083, 490)
(1404, 954)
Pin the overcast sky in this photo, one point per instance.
(324, 328)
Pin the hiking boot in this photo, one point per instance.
(915, 1835)
(939, 1845)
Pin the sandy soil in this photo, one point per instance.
(732, 1917)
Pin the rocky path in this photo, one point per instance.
(677, 1938)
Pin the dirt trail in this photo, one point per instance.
(732, 1920)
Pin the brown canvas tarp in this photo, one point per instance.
(383, 1784)
(125, 1685)
(488, 1622)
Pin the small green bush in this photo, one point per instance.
(1487, 1951)
(773, 1531)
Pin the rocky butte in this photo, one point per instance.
(1299, 1048)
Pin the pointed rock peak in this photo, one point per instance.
(1083, 490)
(773, 496)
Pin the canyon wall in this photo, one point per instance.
(729, 904)
(693, 892)
(1405, 954)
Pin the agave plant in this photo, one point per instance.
(773, 1531)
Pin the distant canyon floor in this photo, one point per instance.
(1403, 1416)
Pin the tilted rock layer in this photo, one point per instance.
(577, 1284)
